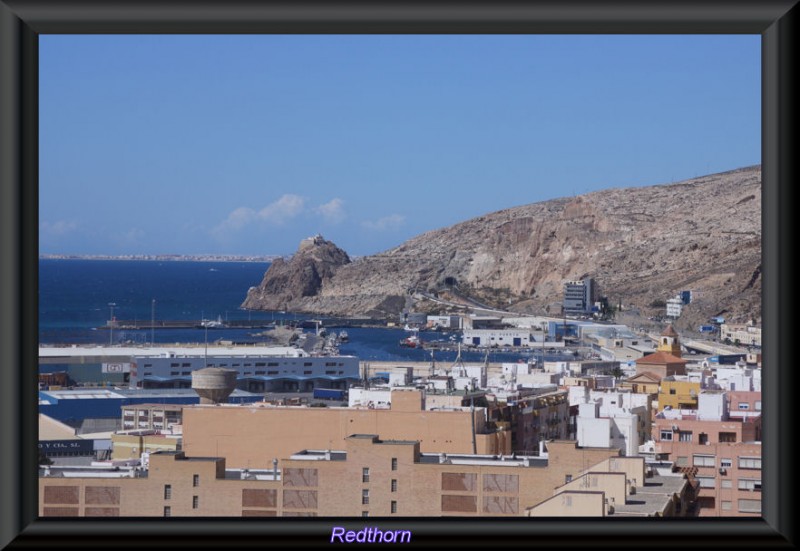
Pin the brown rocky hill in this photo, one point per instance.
(642, 245)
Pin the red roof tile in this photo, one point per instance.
(661, 358)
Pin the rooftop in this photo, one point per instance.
(177, 351)
(652, 497)
(661, 358)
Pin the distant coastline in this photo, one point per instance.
(164, 257)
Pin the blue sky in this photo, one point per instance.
(248, 144)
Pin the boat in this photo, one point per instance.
(343, 336)
(411, 342)
(212, 324)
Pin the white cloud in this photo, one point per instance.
(236, 220)
(58, 228)
(391, 222)
(332, 211)
(285, 208)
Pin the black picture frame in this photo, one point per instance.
(21, 21)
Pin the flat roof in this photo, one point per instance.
(127, 393)
(177, 351)
(652, 497)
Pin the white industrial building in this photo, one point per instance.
(498, 337)
(674, 307)
(445, 322)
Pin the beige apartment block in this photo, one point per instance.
(370, 476)
(252, 435)
(619, 486)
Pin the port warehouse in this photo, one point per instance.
(259, 368)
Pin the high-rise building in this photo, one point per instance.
(579, 296)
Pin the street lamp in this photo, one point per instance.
(111, 324)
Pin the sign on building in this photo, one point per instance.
(116, 368)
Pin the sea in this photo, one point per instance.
(77, 297)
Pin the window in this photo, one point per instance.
(744, 405)
(758, 405)
(167, 511)
(394, 485)
(394, 463)
(394, 506)
(567, 478)
(726, 484)
(703, 460)
(685, 436)
(672, 391)
(749, 505)
(365, 474)
(167, 491)
(364, 497)
(727, 437)
(727, 505)
(364, 513)
(750, 484)
(726, 462)
(666, 435)
(750, 463)
(195, 502)
(706, 481)
(196, 480)
(682, 461)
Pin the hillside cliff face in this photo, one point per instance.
(640, 244)
(285, 284)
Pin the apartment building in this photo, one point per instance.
(254, 434)
(367, 477)
(721, 452)
(678, 393)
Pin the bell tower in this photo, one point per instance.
(669, 342)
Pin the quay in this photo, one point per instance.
(244, 324)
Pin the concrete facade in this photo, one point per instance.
(253, 435)
(370, 477)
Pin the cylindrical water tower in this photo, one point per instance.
(213, 384)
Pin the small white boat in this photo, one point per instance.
(212, 324)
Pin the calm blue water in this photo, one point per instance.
(74, 297)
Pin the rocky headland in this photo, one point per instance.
(641, 245)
